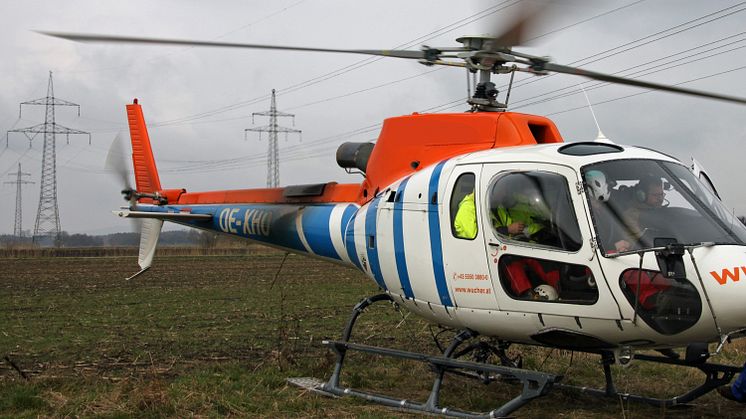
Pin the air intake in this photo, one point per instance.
(354, 155)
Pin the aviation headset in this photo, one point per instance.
(642, 187)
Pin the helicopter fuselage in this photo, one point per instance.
(404, 240)
(568, 288)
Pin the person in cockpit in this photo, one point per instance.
(650, 196)
(609, 232)
(523, 215)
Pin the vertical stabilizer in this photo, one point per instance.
(146, 174)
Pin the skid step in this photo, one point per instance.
(313, 384)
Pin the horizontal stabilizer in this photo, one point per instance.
(165, 216)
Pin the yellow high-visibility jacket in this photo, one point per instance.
(504, 217)
(465, 222)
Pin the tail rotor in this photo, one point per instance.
(117, 164)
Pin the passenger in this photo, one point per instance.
(523, 217)
(518, 272)
(465, 222)
(650, 197)
(610, 233)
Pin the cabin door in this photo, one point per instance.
(537, 239)
(466, 268)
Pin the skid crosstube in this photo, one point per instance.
(535, 384)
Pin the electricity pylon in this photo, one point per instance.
(273, 153)
(19, 182)
(48, 216)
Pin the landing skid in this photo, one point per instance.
(534, 383)
(716, 375)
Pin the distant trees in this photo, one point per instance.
(80, 240)
(167, 238)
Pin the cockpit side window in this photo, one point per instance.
(463, 208)
(534, 207)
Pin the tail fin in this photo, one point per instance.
(146, 174)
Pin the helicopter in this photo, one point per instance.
(631, 249)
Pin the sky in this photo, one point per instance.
(198, 101)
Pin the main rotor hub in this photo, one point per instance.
(478, 42)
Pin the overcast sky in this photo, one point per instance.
(198, 101)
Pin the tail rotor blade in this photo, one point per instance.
(117, 162)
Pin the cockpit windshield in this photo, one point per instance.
(638, 203)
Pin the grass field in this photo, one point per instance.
(217, 336)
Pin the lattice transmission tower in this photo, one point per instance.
(19, 182)
(273, 153)
(48, 216)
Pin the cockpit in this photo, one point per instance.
(638, 204)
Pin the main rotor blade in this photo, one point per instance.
(516, 33)
(558, 68)
(417, 55)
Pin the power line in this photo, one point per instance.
(346, 69)
(459, 101)
(160, 56)
(648, 39)
(648, 91)
(636, 74)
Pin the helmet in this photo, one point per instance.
(529, 192)
(546, 292)
(598, 189)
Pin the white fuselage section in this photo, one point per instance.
(404, 240)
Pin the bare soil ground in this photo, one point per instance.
(218, 336)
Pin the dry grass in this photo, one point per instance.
(207, 336)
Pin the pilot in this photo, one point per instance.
(650, 196)
(608, 229)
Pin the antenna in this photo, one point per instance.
(273, 153)
(600, 137)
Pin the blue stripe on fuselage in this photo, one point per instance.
(316, 230)
(401, 260)
(371, 242)
(349, 236)
(271, 224)
(436, 246)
